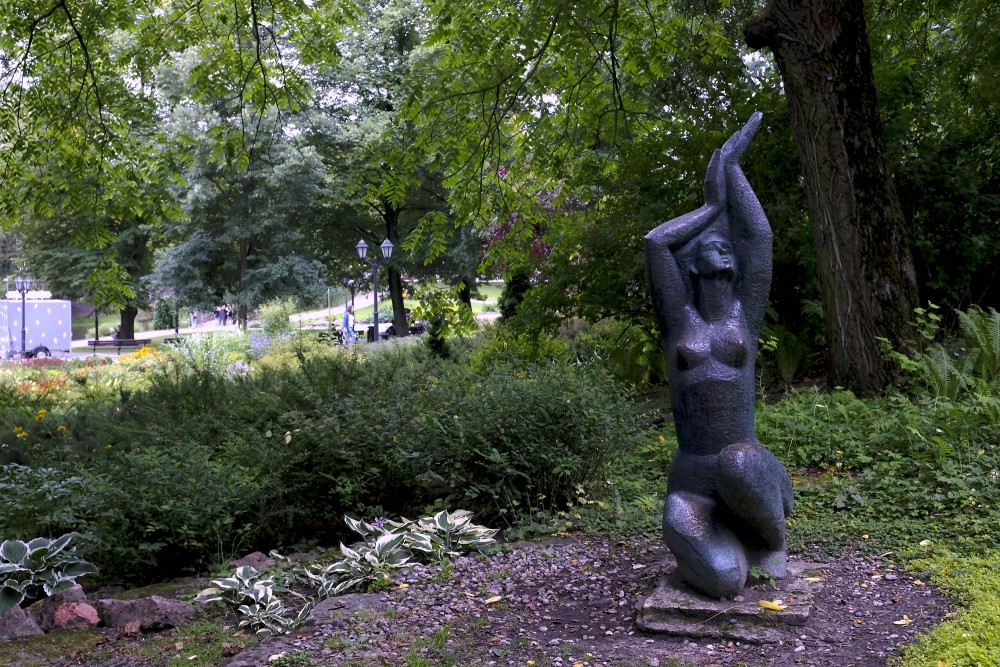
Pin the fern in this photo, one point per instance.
(944, 375)
(981, 332)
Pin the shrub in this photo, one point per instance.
(164, 313)
(275, 317)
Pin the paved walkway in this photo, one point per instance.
(360, 301)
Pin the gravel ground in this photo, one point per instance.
(571, 603)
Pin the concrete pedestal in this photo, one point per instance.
(675, 609)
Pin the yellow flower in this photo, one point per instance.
(108, 447)
(40, 415)
(61, 429)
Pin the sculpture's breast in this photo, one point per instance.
(702, 342)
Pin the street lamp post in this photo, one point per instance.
(362, 249)
(23, 286)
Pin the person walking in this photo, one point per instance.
(348, 326)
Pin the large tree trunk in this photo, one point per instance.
(399, 323)
(126, 322)
(865, 269)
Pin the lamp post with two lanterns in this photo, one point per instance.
(362, 249)
(23, 285)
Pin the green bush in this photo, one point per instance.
(164, 313)
(275, 317)
(934, 462)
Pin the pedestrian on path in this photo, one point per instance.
(348, 326)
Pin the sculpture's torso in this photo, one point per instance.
(711, 382)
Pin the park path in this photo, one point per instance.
(360, 301)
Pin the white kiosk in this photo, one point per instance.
(47, 324)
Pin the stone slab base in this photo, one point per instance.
(675, 609)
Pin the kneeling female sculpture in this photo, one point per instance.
(710, 272)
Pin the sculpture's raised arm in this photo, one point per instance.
(669, 288)
(752, 238)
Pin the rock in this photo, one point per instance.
(18, 623)
(229, 649)
(44, 610)
(75, 615)
(152, 613)
(256, 560)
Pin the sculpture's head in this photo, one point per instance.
(714, 258)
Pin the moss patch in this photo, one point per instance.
(178, 588)
(42, 651)
(972, 637)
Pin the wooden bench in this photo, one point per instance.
(117, 343)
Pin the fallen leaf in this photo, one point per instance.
(288, 437)
(577, 664)
(942, 663)
(857, 621)
(904, 621)
(495, 598)
(814, 579)
(404, 586)
(925, 543)
(917, 582)
(638, 566)
(179, 646)
(773, 606)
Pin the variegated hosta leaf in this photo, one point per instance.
(14, 551)
(246, 573)
(210, 595)
(9, 598)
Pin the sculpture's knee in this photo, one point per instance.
(756, 488)
(710, 558)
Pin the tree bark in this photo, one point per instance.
(399, 322)
(126, 322)
(866, 274)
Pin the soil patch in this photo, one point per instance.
(569, 601)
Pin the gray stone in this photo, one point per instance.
(326, 611)
(18, 623)
(152, 613)
(44, 610)
(674, 608)
(709, 274)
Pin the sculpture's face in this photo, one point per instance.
(715, 258)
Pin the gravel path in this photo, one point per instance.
(570, 603)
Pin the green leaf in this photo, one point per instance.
(14, 551)
(78, 569)
(9, 598)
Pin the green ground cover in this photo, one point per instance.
(171, 460)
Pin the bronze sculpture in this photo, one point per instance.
(710, 273)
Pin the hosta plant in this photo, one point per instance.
(389, 545)
(369, 562)
(453, 533)
(254, 599)
(38, 568)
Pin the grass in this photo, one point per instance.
(972, 637)
(199, 644)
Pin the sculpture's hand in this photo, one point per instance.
(715, 180)
(737, 144)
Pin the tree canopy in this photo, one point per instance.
(539, 137)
